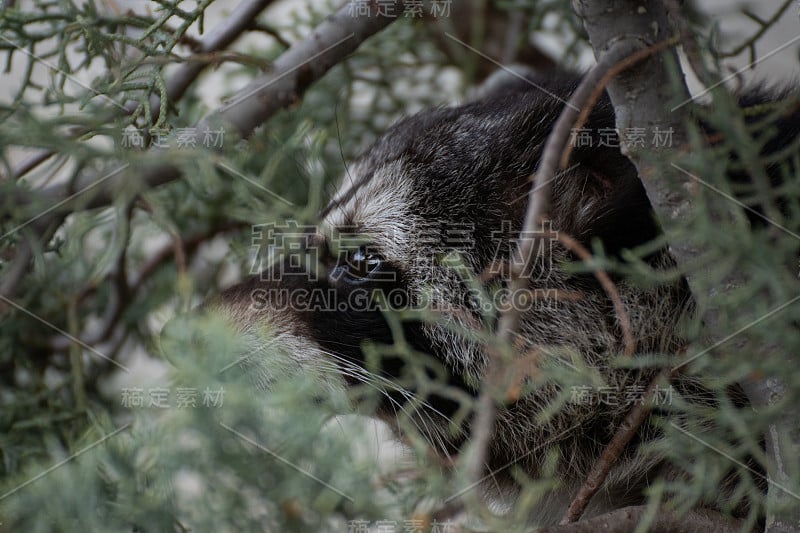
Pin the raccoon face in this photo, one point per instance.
(454, 182)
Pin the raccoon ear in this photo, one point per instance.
(610, 202)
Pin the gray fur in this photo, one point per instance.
(470, 166)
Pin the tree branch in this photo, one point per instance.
(293, 73)
(612, 452)
(240, 20)
(608, 285)
(638, 95)
(627, 519)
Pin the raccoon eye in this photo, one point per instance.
(357, 266)
(362, 263)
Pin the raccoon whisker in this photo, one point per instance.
(375, 382)
(345, 344)
(367, 378)
(350, 369)
(394, 386)
(339, 140)
(419, 424)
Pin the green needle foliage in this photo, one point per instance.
(237, 436)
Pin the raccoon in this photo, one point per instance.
(454, 182)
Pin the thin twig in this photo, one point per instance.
(18, 268)
(293, 73)
(32, 162)
(608, 286)
(538, 201)
(626, 63)
(240, 20)
(765, 25)
(116, 308)
(272, 32)
(626, 519)
(612, 452)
